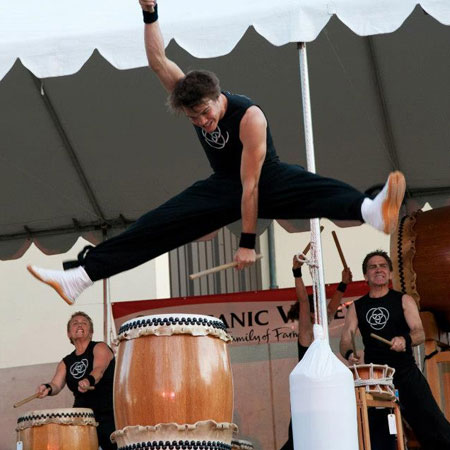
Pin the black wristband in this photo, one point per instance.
(347, 354)
(247, 240)
(150, 17)
(297, 272)
(91, 380)
(342, 287)
(408, 340)
(49, 387)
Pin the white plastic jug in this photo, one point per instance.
(323, 404)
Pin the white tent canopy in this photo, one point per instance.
(96, 149)
(56, 38)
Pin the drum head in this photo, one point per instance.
(65, 416)
(174, 323)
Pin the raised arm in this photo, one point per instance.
(166, 70)
(252, 132)
(56, 384)
(305, 326)
(336, 298)
(102, 357)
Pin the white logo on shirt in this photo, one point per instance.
(216, 139)
(377, 318)
(78, 369)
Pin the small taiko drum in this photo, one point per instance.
(173, 382)
(376, 378)
(420, 253)
(62, 429)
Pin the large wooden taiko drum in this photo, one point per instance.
(173, 381)
(420, 252)
(62, 429)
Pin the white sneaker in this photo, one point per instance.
(69, 284)
(382, 211)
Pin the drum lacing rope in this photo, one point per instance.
(178, 445)
(374, 381)
(313, 270)
(401, 273)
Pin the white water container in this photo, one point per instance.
(323, 403)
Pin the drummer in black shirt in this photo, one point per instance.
(91, 364)
(395, 317)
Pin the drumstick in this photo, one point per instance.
(382, 339)
(194, 276)
(339, 249)
(26, 400)
(353, 343)
(309, 243)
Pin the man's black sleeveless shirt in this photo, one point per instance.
(78, 367)
(383, 316)
(223, 147)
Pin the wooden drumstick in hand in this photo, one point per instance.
(339, 249)
(381, 339)
(194, 276)
(353, 343)
(26, 400)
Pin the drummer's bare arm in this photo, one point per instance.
(336, 298)
(350, 326)
(167, 71)
(102, 357)
(414, 322)
(253, 134)
(305, 326)
(57, 383)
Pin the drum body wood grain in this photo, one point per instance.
(62, 429)
(179, 377)
(420, 252)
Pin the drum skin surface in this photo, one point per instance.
(43, 433)
(420, 252)
(179, 378)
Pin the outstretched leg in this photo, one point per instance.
(202, 208)
(290, 192)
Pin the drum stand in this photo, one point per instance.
(365, 400)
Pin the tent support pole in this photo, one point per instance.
(316, 250)
(106, 304)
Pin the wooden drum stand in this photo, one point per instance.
(374, 389)
(365, 400)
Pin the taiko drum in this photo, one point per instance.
(420, 252)
(62, 429)
(172, 369)
(375, 378)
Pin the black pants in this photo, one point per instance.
(421, 410)
(285, 192)
(105, 428)
(380, 439)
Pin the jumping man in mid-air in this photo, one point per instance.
(248, 181)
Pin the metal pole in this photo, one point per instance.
(106, 319)
(272, 266)
(316, 252)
